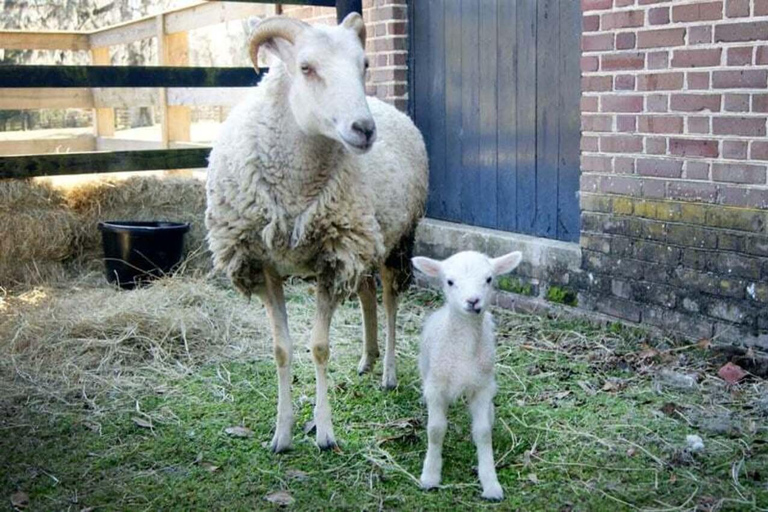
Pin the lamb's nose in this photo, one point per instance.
(473, 301)
(365, 128)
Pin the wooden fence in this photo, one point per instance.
(172, 87)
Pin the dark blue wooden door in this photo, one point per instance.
(495, 88)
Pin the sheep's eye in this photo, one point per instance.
(450, 282)
(306, 69)
(489, 280)
(367, 64)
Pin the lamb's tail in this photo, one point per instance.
(399, 260)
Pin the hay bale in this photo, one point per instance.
(38, 232)
(139, 198)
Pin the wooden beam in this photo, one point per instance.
(23, 99)
(48, 40)
(316, 3)
(123, 33)
(212, 13)
(173, 50)
(124, 97)
(56, 145)
(126, 76)
(117, 144)
(223, 96)
(20, 167)
(104, 118)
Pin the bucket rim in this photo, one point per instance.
(150, 226)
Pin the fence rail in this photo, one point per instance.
(172, 87)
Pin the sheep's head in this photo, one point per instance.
(326, 66)
(467, 277)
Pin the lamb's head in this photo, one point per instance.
(326, 67)
(467, 277)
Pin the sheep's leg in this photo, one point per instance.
(436, 427)
(320, 346)
(389, 298)
(274, 301)
(481, 407)
(367, 295)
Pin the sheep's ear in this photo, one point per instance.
(354, 21)
(253, 22)
(428, 266)
(506, 263)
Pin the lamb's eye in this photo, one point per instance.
(306, 69)
(450, 282)
(367, 64)
(489, 280)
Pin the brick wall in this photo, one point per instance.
(674, 153)
(386, 23)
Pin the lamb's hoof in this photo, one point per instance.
(389, 383)
(493, 493)
(429, 483)
(327, 445)
(279, 445)
(365, 366)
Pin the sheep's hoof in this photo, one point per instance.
(389, 384)
(328, 445)
(430, 484)
(493, 493)
(280, 444)
(365, 366)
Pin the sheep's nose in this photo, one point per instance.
(473, 301)
(366, 128)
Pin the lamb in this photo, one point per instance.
(457, 356)
(311, 178)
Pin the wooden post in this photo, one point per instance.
(173, 50)
(104, 118)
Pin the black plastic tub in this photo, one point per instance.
(137, 252)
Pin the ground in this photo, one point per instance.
(115, 400)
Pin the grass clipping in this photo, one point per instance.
(89, 338)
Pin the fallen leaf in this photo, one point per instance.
(704, 343)
(631, 452)
(648, 352)
(296, 474)
(612, 385)
(143, 423)
(587, 387)
(209, 467)
(239, 431)
(561, 395)
(731, 373)
(20, 499)
(672, 478)
(88, 509)
(669, 408)
(282, 498)
(533, 478)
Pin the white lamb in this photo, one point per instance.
(457, 357)
(311, 178)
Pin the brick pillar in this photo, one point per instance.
(674, 152)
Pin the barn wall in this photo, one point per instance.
(674, 194)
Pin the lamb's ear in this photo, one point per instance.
(428, 266)
(506, 263)
(354, 21)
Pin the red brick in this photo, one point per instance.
(700, 35)
(625, 41)
(397, 29)
(743, 79)
(660, 38)
(589, 103)
(698, 81)
(660, 81)
(621, 144)
(596, 123)
(596, 83)
(658, 16)
(659, 168)
(595, 5)
(761, 7)
(695, 102)
(590, 23)
(597, 43)
(626, 124)
(589, 182)
(624, 83)
(649, 2)
(736, 102)
(738, 173)
(740, 56)
(745, 126)
(660, 124)
(658, 60)
(624, 3)
(655, 189)
(735, 149)
(692, 191)
(622, 61)
(746, 197)
(696, 170)
(761, 58)
(657, 103)
(656, 145)
(693, 148)
(590, 63)
(734, 32)
(621, 104)
(622, 19)
(696, 58)
(624, 165)
(737, 8)
(698, 125)
(760, 103)
(759, 150)
(593, 163)
(620, 185)
(698, 12)
(588, 143)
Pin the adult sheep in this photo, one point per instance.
(296, 186)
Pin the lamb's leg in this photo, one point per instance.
(320, 346)
(436, 427)
(367, 295)
(389, 298)
(274, 301)
(481, 407)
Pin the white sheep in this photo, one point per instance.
(458, 352)
(296, 186)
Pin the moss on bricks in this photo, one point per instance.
(561, 295)
(514, 285)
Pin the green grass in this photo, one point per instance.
(583, 422)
